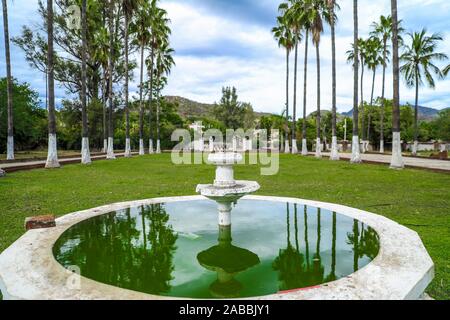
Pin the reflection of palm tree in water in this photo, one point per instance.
(365, 242)
(332, 275)
(317, 272)
(293, 267)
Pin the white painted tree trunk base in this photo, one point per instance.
(334, 150)
(52, 156)
(128, 148)
(397, 157)
(356, 152)
(211, 145)
(381, 146)
(141, 147)
(105, 146)
(85, 153)
(287, 147)
(294, 147)
(10, 149)
(318, 154)
(304, 147)
(110, 153)
(150, 147)
(158, 147)
(414, 148)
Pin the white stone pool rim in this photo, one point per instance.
(402, 270)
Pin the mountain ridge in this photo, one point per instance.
(425, 113)
(188, 108)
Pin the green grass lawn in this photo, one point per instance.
(417, 199)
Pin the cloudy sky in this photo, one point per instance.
(229, 43)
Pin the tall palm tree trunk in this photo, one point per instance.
(383, 96)
(104, 103)
(363, 124)
(294, 118)
(85, 152)
(152, 61)
(397, 158)
(416, 116)
(158, 140)
(286, 136)
(373, 86)
(318, 141)
(356, 156)
(9, 85)
(334, 143)
(141, 104)
(52, 156)
(110, 154)
(305, 82)
(127, 107)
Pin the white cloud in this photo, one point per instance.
(217, 49)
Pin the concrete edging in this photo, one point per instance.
(402, 270)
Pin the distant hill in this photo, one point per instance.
(425, 113)
(189, 108)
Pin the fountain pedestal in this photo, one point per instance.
(226, 190)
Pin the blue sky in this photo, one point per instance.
(228, 42)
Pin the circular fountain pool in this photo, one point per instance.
(177, 249)
(278, 253)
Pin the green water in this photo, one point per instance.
(177, 249)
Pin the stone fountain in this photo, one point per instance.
(225, 190)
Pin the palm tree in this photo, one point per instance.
(52, 156)
(362, 49)
(317, 12)
(363, 59)
(128, 8)
(141, 29)
(418, 59)
(397, 158)
(283, 34)
(164, 64)
(306, 23)
(159, 31)
(9, 92)
(85, 153)
(383, 30)
(101, 54)
(110, 152)
(374, 60)
(334, 145)
(356, 156)
(295, 20)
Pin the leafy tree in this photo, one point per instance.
(230, 111)
(30, 127)
(442, 125)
